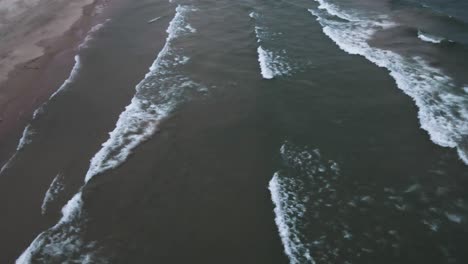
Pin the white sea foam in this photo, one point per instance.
(54, 189)
(264, 58)
(291, 196)
(443, 112)
(91, 33)
(140, 119)
(28, 132)
(454, 217)
(62, 243)
(273, 62)
(429, 38)
(258, 33)
(25, 139)
(288, 211)
(62, 236)
(77, 66)
(333, 10)
(134, 126)
(71, 78)
(316, 208)
(7, 164)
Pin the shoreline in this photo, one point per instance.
(31, 82)
(22, 43)
(28, 87)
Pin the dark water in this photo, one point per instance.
(264, 132)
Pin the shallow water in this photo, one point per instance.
(263, 131)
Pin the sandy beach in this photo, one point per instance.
(26, 26)
(38, 40)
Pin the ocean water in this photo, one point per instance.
(252, 132)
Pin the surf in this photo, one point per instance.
(443, 110)
(429, 38)
(273, 62)
(301, 185)
(54, 189)
(63, 241)
(141, 117)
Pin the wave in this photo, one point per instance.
(273, 62)
(292, 192)
(25, 139)
(443, 109)
(28, 132)
(69, 80)
(429, 38)
(326, 215)
(91, 34)
(54, 189)
(77, 66)
(62, 242)
(140, 119)
(264, 58)
(288, 210)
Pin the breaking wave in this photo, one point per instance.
(291, 191)
(156, 95)
(429, 38)
(443, 108)
(54, 189)
(273, 62)
(327, 215)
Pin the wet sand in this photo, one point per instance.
(36, 57)
(28, 27)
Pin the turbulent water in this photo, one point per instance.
(365, 102)
(320, 222)
(135, 124)
(442, 103)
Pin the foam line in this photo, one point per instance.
(443, 111)
(140, 119)
(429, 38)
